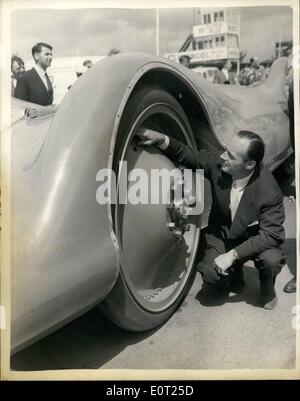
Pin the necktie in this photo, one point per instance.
(49, 85)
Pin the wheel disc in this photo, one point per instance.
(155, 263)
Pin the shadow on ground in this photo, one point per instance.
(86, 343)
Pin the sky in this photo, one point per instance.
(95, 31)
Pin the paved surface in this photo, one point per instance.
(209, 331)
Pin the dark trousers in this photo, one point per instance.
(268, 264)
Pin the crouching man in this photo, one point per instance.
(247, 214)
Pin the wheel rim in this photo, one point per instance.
(155, 263)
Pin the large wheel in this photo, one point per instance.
(157, 263)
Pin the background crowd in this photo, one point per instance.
(251, 74)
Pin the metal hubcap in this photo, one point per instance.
(157, 242)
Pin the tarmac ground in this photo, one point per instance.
(209, 331)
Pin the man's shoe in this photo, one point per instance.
(236, 281)
(290, 286)
(271, 304)
(236, 286)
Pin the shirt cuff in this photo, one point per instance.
(165, 144)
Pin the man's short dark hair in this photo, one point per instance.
(256, 148)
(17, 59)
(86, 62)
(184, 57)
(38, 47)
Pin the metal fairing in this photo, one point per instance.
(64, 251)
(261, 109)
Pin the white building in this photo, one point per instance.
(214, 40)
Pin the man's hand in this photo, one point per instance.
(224, 261)
(149, 137)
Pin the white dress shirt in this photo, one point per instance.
(237, 188)
(236, 193)
(42, 75)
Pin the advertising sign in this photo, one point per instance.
(215, 28)
(206, 54)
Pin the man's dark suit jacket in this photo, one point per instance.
(30, 87)
(262, 202)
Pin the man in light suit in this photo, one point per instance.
(224, 76)
(247, 214)
(34, 85)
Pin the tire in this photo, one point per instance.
(155, 274)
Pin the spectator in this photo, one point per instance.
(185, 61)
(88, 64)
(224, 76)
(17, 69)
(288, 51)
(34, 85)
(247, 76)
(233, 75)
(258, 71)
(254, 74)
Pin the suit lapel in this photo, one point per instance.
(246, 207)
(41, 83)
